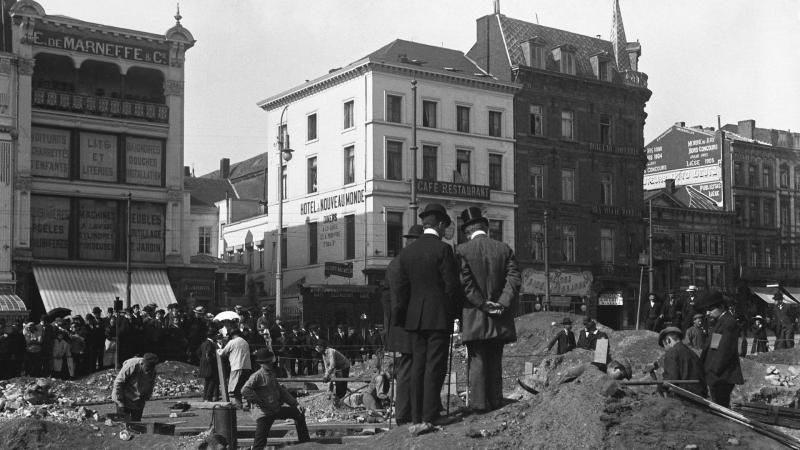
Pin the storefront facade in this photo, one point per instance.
(98, 160)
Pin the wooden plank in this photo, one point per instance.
(528, 368)
(318, 426)
(601, 351)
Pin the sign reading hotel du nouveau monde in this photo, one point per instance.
(101, 45)
(690, 157)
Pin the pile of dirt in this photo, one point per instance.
(783, 356)
(28, 433)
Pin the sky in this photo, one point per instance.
(738, 59)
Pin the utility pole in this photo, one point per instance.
(128, 257)
(650, 247)
(546, 264)
(413, 205)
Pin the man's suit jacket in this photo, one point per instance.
(783, 318)
(565, 339)
(721, 365)
(397, 338)
(681, 363)
(488, 272)
(428, 291)
(588, 340)
(207, 354)
(673, 312)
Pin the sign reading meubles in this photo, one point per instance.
(50, 217)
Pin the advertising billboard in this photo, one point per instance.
(689, 156)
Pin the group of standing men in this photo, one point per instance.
(429, 286)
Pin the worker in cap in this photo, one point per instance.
(696, 335)
(336, 365)
(565, 338)
(680, 362)
(263, 390)
(133, 385)
(720, 356)
(426, 297)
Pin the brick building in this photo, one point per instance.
(578, 126)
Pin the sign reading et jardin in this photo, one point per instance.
(461, 190)
(45, 37)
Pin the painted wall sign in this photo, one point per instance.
(332, 202)
(50, 218)
(97, 229)
(330, 232)
(610, 300)
(561, 283)
(460, 190)
(690, 157)
(50, 153)
(147, 232)
(45, 37)
(143, 161)
(98, 157)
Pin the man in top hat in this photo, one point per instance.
(397, 339)
(680, 362)
(565, 338)
(783, 318)
(720, 356)
(688, 307)
(491, 281)
(428, 295)
(696, 335)
(262, 390)
(589, 335)
(196, 330)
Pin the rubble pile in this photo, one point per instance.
(36, 399)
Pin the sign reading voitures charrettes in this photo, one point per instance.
(50, 153)
(461, 190)
(45, 37)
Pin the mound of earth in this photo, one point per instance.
(789, 356)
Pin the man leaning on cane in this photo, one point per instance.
(491, 282)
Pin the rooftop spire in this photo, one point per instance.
(497, 6)
(178, 16)
(618, 40)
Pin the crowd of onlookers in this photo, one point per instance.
(66, 346)
(779, 319)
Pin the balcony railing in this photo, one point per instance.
(100, 106)
(634, 78)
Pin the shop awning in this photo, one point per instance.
(765, 293)
(82, 288)
(794, 293)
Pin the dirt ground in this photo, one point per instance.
(574, 407)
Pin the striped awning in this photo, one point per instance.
(12, 303)
(794, 293)
(82, 288)
(765, 293)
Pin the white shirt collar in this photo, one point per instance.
(477, 233)
(431, 231)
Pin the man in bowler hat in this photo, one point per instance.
(720, 356)
(491, 281)
(427, 295)
(397, 338)
(565, 338)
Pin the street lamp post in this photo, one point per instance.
(284, 154)
(650, 247)
(413, 204)
(546, 265)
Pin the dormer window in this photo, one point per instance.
(601, 66)
(533, 52)
(565, 57)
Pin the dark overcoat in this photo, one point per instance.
(565, 339)
(721, 365)
(207, 355)
(428, 292)
(397, 338)
(488, 272)
(681, 363)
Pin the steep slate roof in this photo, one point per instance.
(207, 191)
(518, 31)
(250, 166)
(427, 57)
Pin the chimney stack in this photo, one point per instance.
(187, 171)
(669, 185)
(680, 124)
(747, 129)
(224, 168)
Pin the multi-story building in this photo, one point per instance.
(347, 187)
(92, 158)
(756, 174)
(578, 125)
(692, 238)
